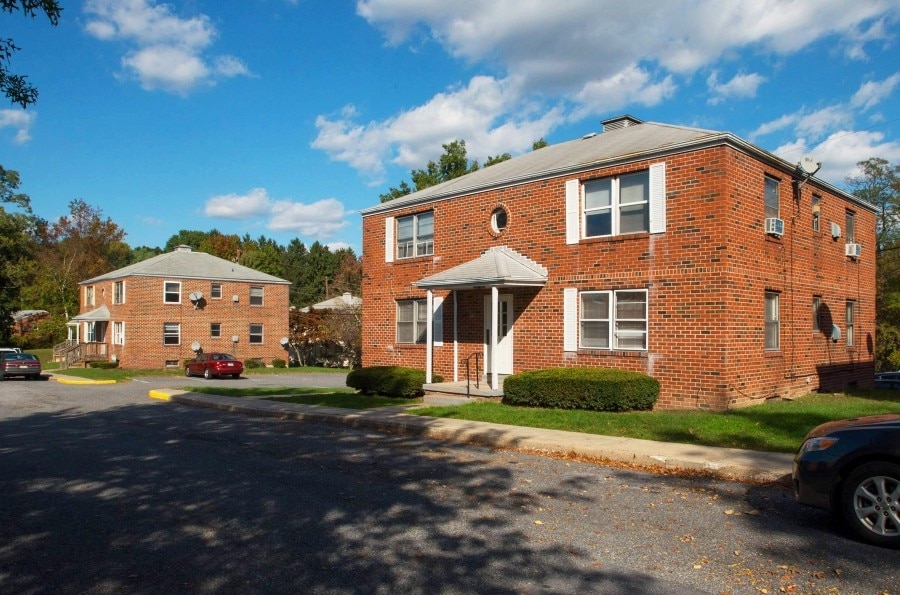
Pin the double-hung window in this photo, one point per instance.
(771, 198)
(412, 321)
(89, 295)
(850, 224)
(171, 333)
(172, 292)
(256, 334)
(256, 295)
(215, 330)
(619, 205)
(119, 292)
(816, 213)
(613, 319)
(215, 291)
(118, 332)
(851, 323)
(816, 310)
(415, 235)
(773, 321)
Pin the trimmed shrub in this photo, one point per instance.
(253, 363)
(104, 365)
(279, 363)
(389, 381)
(593, 389)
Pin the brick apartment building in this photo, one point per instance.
(153, 314)
(725, 272)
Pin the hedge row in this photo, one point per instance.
(594, 389)
(389, 381)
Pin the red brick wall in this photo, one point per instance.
(144, 313)
(706, 278)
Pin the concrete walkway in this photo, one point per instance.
(726, 463)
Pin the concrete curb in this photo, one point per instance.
(75, 380)
(725, 463)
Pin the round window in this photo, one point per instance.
(499, 219)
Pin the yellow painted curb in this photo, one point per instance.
(156, 394)
(70, 381)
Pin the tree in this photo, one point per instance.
(879, 183)
(16, 245)
(495, 159)
(539, 144)
(79, 246)
(452, 164)
(16, 87)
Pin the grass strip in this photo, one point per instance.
(345, 398)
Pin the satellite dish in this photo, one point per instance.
(835, 333)
(196, 296)
(195, 346)
(808, 165)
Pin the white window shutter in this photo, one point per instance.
(389, 239)
(437, 331)
(658, 198)
(570, 319)
(573, 211)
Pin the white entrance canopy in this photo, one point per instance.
(499, 266)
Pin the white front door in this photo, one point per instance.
(504, 335)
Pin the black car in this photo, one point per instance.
(852, 468)
(887, 380)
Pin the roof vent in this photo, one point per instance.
(589, 135)
(183, 248)
(620, 122)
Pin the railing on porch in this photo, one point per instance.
(477, 355)
(61, 349)
(72, 352)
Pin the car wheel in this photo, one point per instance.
(207, 374)
(870, 503)
(187, 371)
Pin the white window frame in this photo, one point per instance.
(850, 227)
(215, 330)
(419, 320)
(260, 333)
(259, 299)
(616, 335)
(616, 207)
(816, 309)
(118, 291)
(171, 329)
(118, 333)
(850, 322)
(772, 197)
(416, 244)
(817, 215)
(90, 332)
(772, 316)
(215, 288)
(89, 295)
(167, 292)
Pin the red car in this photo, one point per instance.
(214, 364)
(20, 364)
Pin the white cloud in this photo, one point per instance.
(322, 218)
(478, 113)
(872, 93)
(741, 86)
(840, 151)
(20, 121)
(168, 51)
(551, 66)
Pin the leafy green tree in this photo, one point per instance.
(16, 246)
(495, 159)
(186, 237)
(16, 87)
(78, 246)
(539, 144)
(879, 183)
(142, 253)
(263, 255)
(452, 164)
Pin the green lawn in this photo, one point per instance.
(346, 398)
(122, 374)
(774, 427)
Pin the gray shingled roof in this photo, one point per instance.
(499, 265)
(554, 160)
(643, 140)
(183, 263)
(100, 314)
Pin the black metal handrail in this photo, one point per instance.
(476, 355)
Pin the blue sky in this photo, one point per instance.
(284, 118)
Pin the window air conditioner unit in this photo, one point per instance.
(852, 250)
(774, 226)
